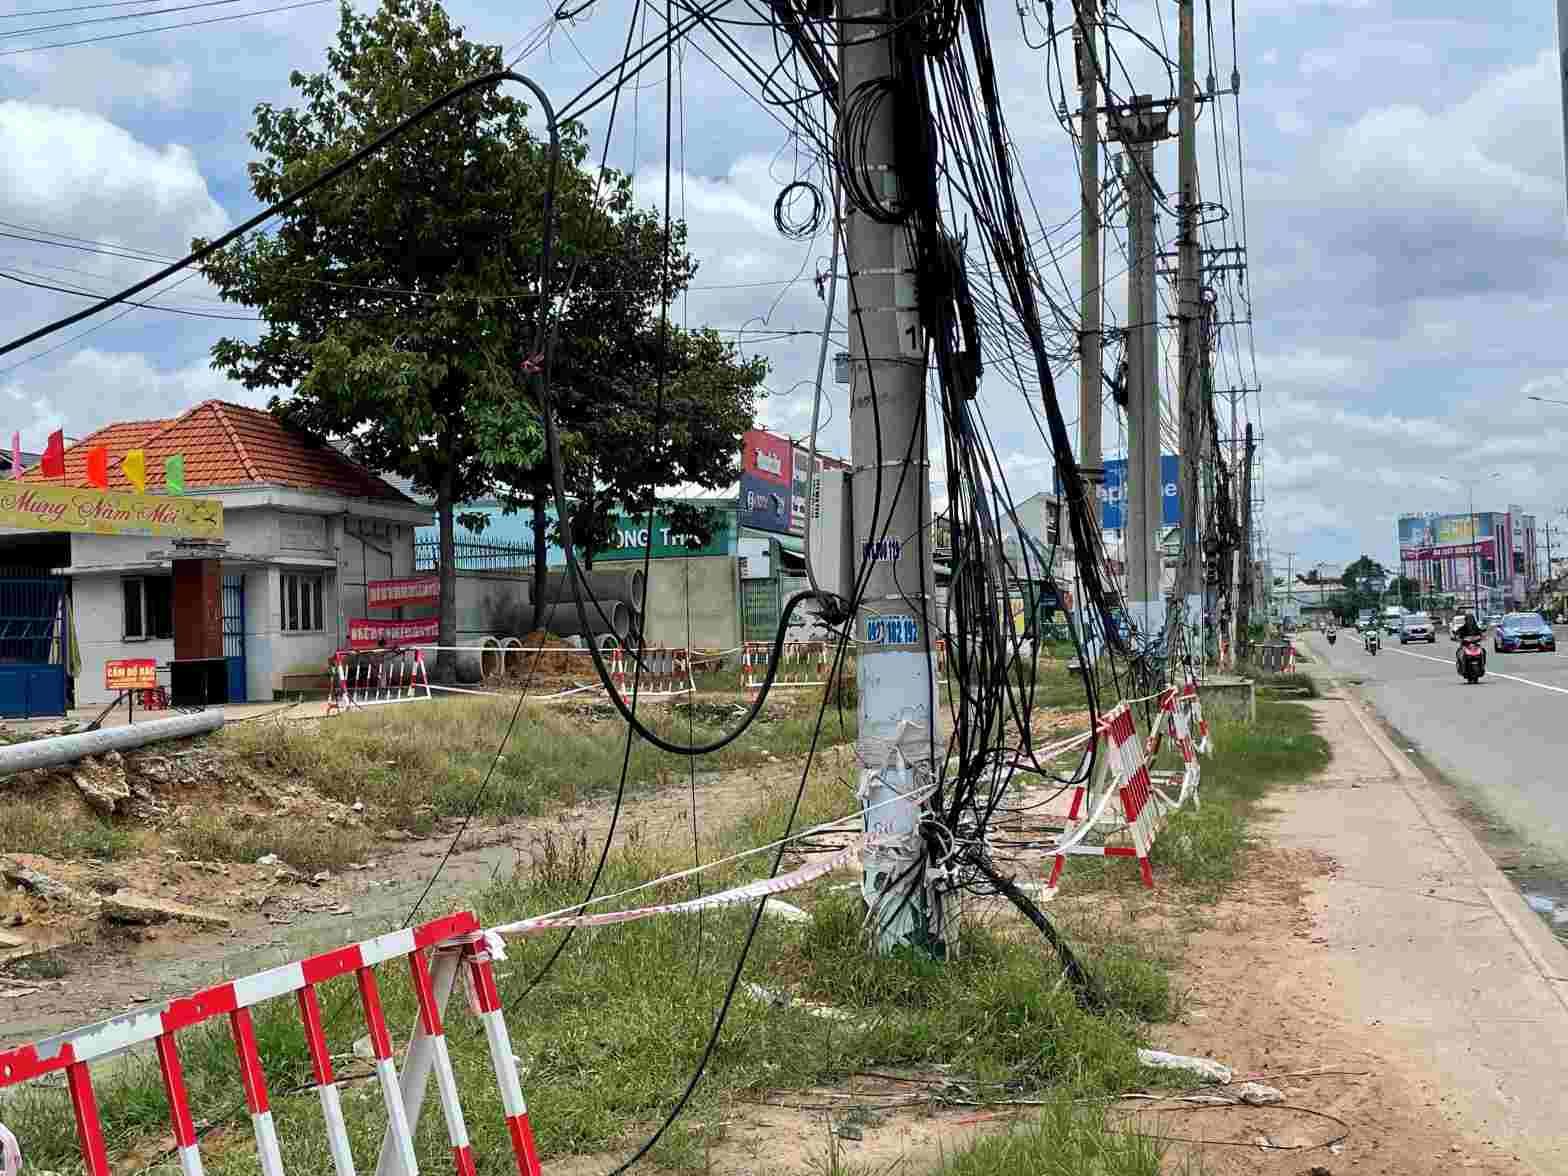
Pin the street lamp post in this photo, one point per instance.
(1475, 540)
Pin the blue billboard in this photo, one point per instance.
(1113, 492)
(764, 505)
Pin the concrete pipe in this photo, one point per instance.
(562, 621)
(512, 656)
(612, 583)
(66, 749)
(478, 660)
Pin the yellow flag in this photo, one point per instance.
(135, 467)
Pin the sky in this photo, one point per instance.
(1404, 222)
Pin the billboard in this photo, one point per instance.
(766, 457)
(767, 481)
(1113, 492)
(764, 505)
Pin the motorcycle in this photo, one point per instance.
(1471, 661)
(1332, 636)
(1373, 641)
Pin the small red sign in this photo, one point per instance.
(132, 673)
(367, 633)
(395, 593)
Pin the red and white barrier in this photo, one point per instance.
(1124, 776)
(1290, 657)
(453, 941)
(801, 664)
(377, 677)
(666, 673)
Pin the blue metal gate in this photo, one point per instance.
(32, 646)
(234, 634)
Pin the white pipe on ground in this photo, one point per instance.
(66, 749)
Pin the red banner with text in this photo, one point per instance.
(396, 593)
(368, 633)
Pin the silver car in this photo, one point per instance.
(1417, 627)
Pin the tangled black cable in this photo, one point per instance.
(852, 142)
(799, 228)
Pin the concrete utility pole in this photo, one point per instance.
(1139, 127)
(1244, 556)
(900, 716)
(1091, 460)
(1189, 580)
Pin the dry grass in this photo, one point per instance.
(414, 764)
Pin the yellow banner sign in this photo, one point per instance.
(108, 512)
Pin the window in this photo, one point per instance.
(149, 607)
(302, 597)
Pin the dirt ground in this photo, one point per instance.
(95, 969)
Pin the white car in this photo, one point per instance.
(1455, 623)
(1416, 627)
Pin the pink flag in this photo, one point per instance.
(16, 455)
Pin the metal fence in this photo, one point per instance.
(476, 557)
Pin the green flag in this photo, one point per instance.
(174, 474)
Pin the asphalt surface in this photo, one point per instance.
(1505, 737)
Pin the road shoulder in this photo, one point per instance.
(1421, 955)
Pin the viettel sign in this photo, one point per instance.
(108, 512)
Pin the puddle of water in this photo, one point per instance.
(1550, 902)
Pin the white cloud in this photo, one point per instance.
(101, 79)
(94, 388)
(71, 167)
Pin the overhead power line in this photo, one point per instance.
(188, 24)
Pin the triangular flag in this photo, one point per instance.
(54, 455)
(98, 467)
(16, 455)
(174, 474)
(134, 466)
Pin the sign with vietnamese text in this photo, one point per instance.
(630, 537)
(409, 590)
(131, 673)
(368, 633)
(108, 512)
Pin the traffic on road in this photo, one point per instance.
(1500, 738)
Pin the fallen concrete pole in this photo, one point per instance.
(66, 749)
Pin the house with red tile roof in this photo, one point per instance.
(305, 528)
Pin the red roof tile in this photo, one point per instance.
(225, 445)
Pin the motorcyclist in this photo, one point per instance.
(1468, 629)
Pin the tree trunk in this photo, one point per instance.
(541, 552)
(446, 657)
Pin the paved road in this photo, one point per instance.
(1506, 736)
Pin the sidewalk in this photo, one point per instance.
(1429, 946)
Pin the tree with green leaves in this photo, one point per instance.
(657, 406)
(400, 302)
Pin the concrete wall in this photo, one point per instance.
(705, 583)
(100, 627)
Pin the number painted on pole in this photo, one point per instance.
(898, 630)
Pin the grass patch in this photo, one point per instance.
(43, 824)
(413, 764)
(617, 1027)
(1064, 1138)
(1202, 849)
(305, 844)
